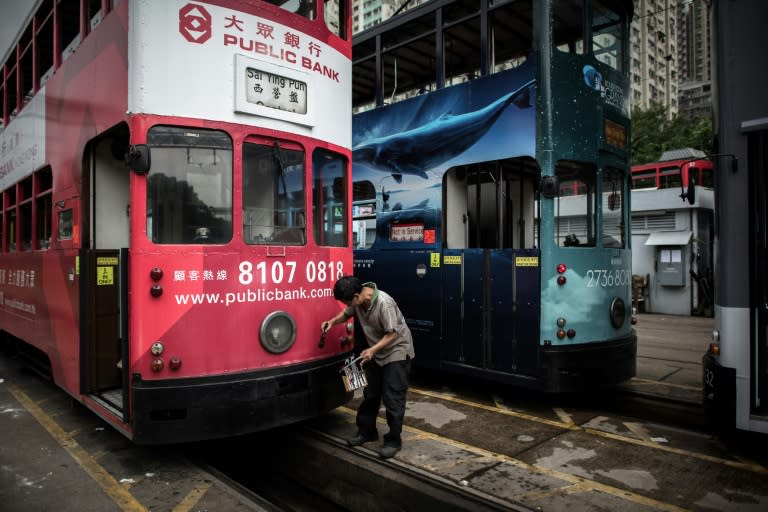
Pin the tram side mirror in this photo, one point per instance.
(689, 194)
(549, 186)
(138, 158)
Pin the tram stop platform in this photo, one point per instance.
(57, 455)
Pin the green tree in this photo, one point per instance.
(653, 133)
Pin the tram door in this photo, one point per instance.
(757, 147)
(103, 268)
(490, 286)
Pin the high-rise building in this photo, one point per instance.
(367, 13)
(695, 58)
(654, 56)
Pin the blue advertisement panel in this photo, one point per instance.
(404, 149)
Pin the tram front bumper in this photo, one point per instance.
(193, 409)
(588, 366)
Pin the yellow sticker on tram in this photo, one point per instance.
(451, 260)
(105, 276)
(526, 261)
(434, 259)
(106, 260)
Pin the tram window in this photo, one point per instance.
(305, 8)
(669, 177)
(65, 224)
(706, 178)
(335, 15)
(43, 208)
(11, 230)
(575, 205)
(511, 32)
(607, 35)
(189, 190)
(329, 198)
(26, 225)
(645, 179)
(363, 214)
(44, 221)
(568, 25)
(613, 209)
(273, 194)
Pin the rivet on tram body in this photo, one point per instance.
(157, 364)
(156, 290)
(174, 363)
(156, 274)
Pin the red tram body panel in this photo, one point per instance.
(175, 210)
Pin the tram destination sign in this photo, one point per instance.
(275, 91)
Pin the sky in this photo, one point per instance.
(12, 15)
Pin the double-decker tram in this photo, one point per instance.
(676, 173)
(175, 182)
(491, 186)
(735, 367)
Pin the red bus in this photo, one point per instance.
(673, 174)
(175, 181)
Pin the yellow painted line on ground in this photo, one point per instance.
(657, 382)
(747, 466)
(753, 467)
(582, 484)
(494, 408)
(191, 499)
(101, 476)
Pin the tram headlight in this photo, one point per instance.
(278, 332)
(618, 312)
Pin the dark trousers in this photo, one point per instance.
(390, 384)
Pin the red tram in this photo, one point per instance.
(175, 208)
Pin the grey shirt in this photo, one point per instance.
(383, 317)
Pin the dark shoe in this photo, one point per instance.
(389, 450)
(361, 438)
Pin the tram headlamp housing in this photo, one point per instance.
(277, 332)
(618, 312)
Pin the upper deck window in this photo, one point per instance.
(568, 25)
(305, 8)
(189, 189)
(335, 16)
(608, 36)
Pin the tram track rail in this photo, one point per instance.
(572, 426)
(635, 441)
